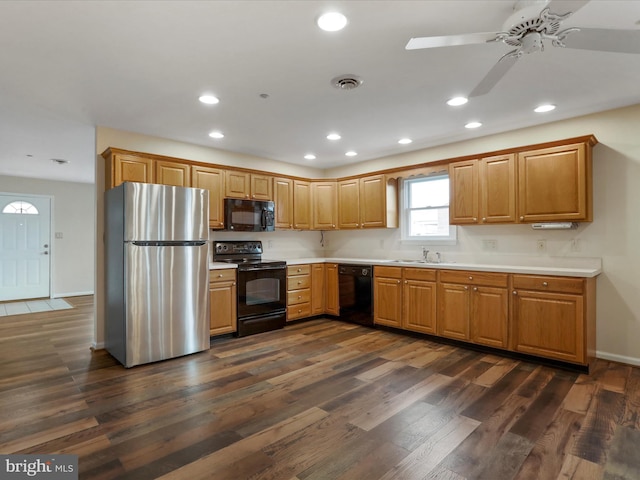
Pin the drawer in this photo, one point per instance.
(419, 274)
(474, 278)
(299, 311)
(224, 275)
(549, 284)
(298, 270)
(389, 272)
(298, 281)
(294, 297)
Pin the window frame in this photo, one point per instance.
(450, 239)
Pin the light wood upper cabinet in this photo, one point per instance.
(324, 201)
(211, 179)
(173, 173)
(283, 199)
(555, 184)
(349, 203)
(368, 202)
(122, 167)
(464, 204)
(332, 297)
(301, 205)
(246, 185)
(497, 176)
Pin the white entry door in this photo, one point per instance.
(25, 241)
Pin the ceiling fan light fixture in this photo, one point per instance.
(547, 107)
(457, 101)
(332, 21)
(473, 125)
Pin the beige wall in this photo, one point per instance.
(73, 215)
(613, 236)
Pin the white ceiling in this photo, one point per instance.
(140, 66)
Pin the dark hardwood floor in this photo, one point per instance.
(321, 400)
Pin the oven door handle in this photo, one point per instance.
(258, 269)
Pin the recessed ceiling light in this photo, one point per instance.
(405, 141)
(351, 153)
(332, 21)
(457, 101)
(216, 135)
(333, 136)
(209, 99)
(309, 156)
(547, 107)
(473, 125)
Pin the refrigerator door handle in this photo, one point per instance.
(165, 243)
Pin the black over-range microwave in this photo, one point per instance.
(249, 215)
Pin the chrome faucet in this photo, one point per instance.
(438, 258)
(425, 254)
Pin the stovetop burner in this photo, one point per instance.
(247, 254)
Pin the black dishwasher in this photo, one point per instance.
(355, 287)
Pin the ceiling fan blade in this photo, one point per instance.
(604, 40)
(450, 40)
(561, 7)
(498, 71)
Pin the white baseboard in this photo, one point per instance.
(71, 294)
(618, 358)
(97, 346)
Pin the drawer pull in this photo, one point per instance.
(515, 292)
(219, 275)
(466, 288)
(475, 289)
(545, 284)
(470, 277)
(299, 296)
(299, 282)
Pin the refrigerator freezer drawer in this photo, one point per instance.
(167, 302)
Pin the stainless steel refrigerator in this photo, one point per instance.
(157, 285)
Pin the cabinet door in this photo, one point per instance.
(554, 184)
(213, 180)
(549, 325)
(463, 192)
(324, 199)
(317, 288)
(173, 173)
(453, 311)
(498, 189)
(387, 301)
(301, 205)
(283, 199)
(332, 299)
(223, 316)
(129, 168)
(261, 187)
(373, 206)
(349, 204)
(237, 184)
(419, 306)
(489, 316)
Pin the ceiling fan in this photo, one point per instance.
(527, 29)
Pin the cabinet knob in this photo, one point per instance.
(299, 296)
(515, 292)
(521, 217)
(220, 275)
(406, 281)
(299, 282)
(398, 282)
(484, 219)
(470, 277)
(299, 269)
(475, 219)
(333, 226)
(475, 289)
(545, 284)
(466, 288)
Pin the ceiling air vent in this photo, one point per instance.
(346, 82)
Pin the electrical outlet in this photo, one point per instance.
(541, 245)
(58, 234)
(490, 244)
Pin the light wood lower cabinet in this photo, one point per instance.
(331, 293)
(317, 288)
(298, 291)
(474, 306)
(222, 301)
(405, 298)
(554, 317)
